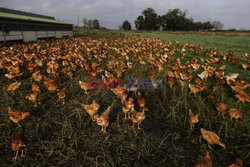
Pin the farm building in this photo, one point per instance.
(19, 25)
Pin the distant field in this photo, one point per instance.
(238, 44)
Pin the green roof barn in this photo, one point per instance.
(19, 25)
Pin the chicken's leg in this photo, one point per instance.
(209, 146)
(22, 155)
(125, 117)
(129, 115)
(133, 125)
(18, 124)
(138, 124)
(15, 158)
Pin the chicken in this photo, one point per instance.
(245, 66)
(205, 162)
(103, 120)
(119, 72)
(70, 74)
(192, 119)
(121, 93)
(195, 89)
(32, 97)
(37, 76)
(239, 87)
(196, 66)
(109, 74)
(51, 84)
(238, 163)
(183, 84)
(203, 75)
(199, 81)
(12, 75)
(223, 67)
(142, 62)
(12, 87)
(62, 95)
(221, 108)
(92, 109)
(35, 87)
(127, 106)
(211, 138)
(242, 96)
(130, 65)
(141, 101)
(235, 113)
(19, 143)
(133, 87)
(17, 116)
(232, 76)
(172, 81)
(85, 86)
(138, 117)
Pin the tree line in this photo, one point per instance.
(173, 20)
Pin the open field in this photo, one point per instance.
(239, 44)
(218, 33)
(64, 135)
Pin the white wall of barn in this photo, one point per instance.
(28, 36)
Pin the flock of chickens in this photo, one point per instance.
(46, 62)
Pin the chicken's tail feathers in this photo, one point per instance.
(9, 110)
(190, 113)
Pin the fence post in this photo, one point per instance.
(4, 39)
(22, 31)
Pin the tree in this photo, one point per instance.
(159, 23)
(139, 22)
(175, 20)
(199, 26)
(96, 24)
(126, 25)
(90, 24)
(150, 19)
(208, 26)
(217, 25)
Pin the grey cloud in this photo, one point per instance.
(111, 13)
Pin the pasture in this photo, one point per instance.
(64, 135)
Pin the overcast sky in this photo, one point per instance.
(111, 13)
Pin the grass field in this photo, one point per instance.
(238, 44)
(64, 135)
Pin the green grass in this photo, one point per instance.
(238, 44)
(64, 135)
